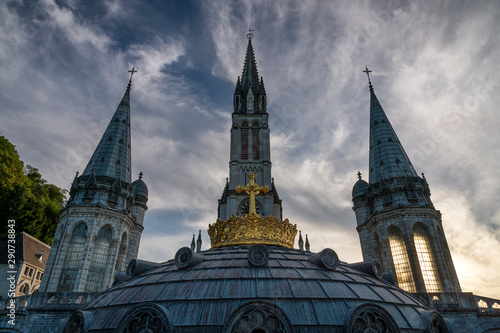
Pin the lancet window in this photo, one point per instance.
(73, 259)
(100, 256)
(404, 274)
(426, 260)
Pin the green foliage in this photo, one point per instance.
(26, 197)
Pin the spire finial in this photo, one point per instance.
(367, 71)
(132, 71)
(140, 175)
(249, 33)
(359, 175)
(423, 175)
(77, 173)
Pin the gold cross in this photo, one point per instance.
(252, 189)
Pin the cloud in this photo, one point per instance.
(65, 69)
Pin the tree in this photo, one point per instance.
(26, 197)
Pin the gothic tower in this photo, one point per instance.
(100, 228)
(250, 147)
(396, 220)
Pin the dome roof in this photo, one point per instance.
(359, 188)
(240, 288)
(140, 187)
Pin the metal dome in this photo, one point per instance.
(254, 289)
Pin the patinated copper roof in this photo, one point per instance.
(207, 294)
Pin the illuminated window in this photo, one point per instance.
(73, 259)
(482, 304)
(496, 306)
(98, 264)
(426, 260)
(401, 261)
(121, 253)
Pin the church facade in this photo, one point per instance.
(252, 279)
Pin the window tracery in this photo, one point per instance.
(404, 274)
(426, 260)
(73, 258)
(100, 256)
(258, 317)
(371, 318)
(148, 318)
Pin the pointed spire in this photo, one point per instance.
(193, 244)
(198, 243)
(387, 156)
(308, 246)
(250, 92)
(301, 241)
(112, 156)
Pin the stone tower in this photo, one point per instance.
(250, 147)
(396, 220)
(100, 228)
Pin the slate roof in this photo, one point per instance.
(387, 156)
(27, 248)
(315, 299)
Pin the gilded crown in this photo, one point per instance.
(252, 229)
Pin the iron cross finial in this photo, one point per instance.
(367, 71)
(359, 175)
(132, 71)
(250, 33)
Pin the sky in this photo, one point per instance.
(64, 68)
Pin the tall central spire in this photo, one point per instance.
(250, 145)
(250, 94)
(387, 156)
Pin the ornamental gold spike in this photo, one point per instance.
(252, 228)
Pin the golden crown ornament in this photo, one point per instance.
(252, 228)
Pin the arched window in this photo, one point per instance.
(24, 290)
(244, 141)
(245, 207)
(401, 260)
(73, 259)
(121, 253)
(426, 260)
(98, 264)
(255, 141)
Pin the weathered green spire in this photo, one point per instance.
(387, 156)
(112, 156)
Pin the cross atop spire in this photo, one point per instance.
(367, 71)
(132, 71)
(249, 33)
